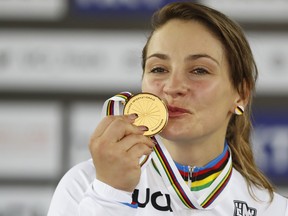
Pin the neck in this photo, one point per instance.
(194, 154)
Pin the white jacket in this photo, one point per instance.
(161, 192)
(80, 193)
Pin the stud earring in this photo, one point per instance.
(239, 110)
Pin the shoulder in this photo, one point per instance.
(77, 179)
(71, 189)
(83, 169)
(281, 202)
(261, 199)
(238, 181)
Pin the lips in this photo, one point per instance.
(177, 111)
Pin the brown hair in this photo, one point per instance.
(243, 75)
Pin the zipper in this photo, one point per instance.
(191, 170)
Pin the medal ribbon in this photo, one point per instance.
(115, 104)
(177, 186)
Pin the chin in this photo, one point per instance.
(171, 134)
(177, 134)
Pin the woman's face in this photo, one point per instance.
(186, 66)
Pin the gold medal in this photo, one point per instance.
(151, 110)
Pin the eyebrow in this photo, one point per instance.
(189, 57)
(159, 55)
(197, 56)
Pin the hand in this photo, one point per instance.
(116, 147)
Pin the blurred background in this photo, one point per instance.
(60, 60)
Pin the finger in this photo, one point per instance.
(139, 150)
(106, 121)
(119, 128)
(129, 141)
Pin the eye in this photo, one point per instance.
(200, 71)
(158, 70)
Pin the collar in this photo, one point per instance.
(202, 177)
(178, 188)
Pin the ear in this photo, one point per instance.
(242, 96)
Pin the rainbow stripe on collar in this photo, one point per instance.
(203, 177)
(179, 188)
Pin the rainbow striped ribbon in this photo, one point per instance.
(177, 186)
(115, 104)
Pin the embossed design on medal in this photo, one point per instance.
(152, 112)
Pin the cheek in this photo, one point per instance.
(151, 86)
(218, 98)
(210, 96)
(204, 91)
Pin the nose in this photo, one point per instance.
(176, 85)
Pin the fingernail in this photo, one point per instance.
(133, 116)
(143, 128)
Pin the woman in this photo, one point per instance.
(199, 62)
